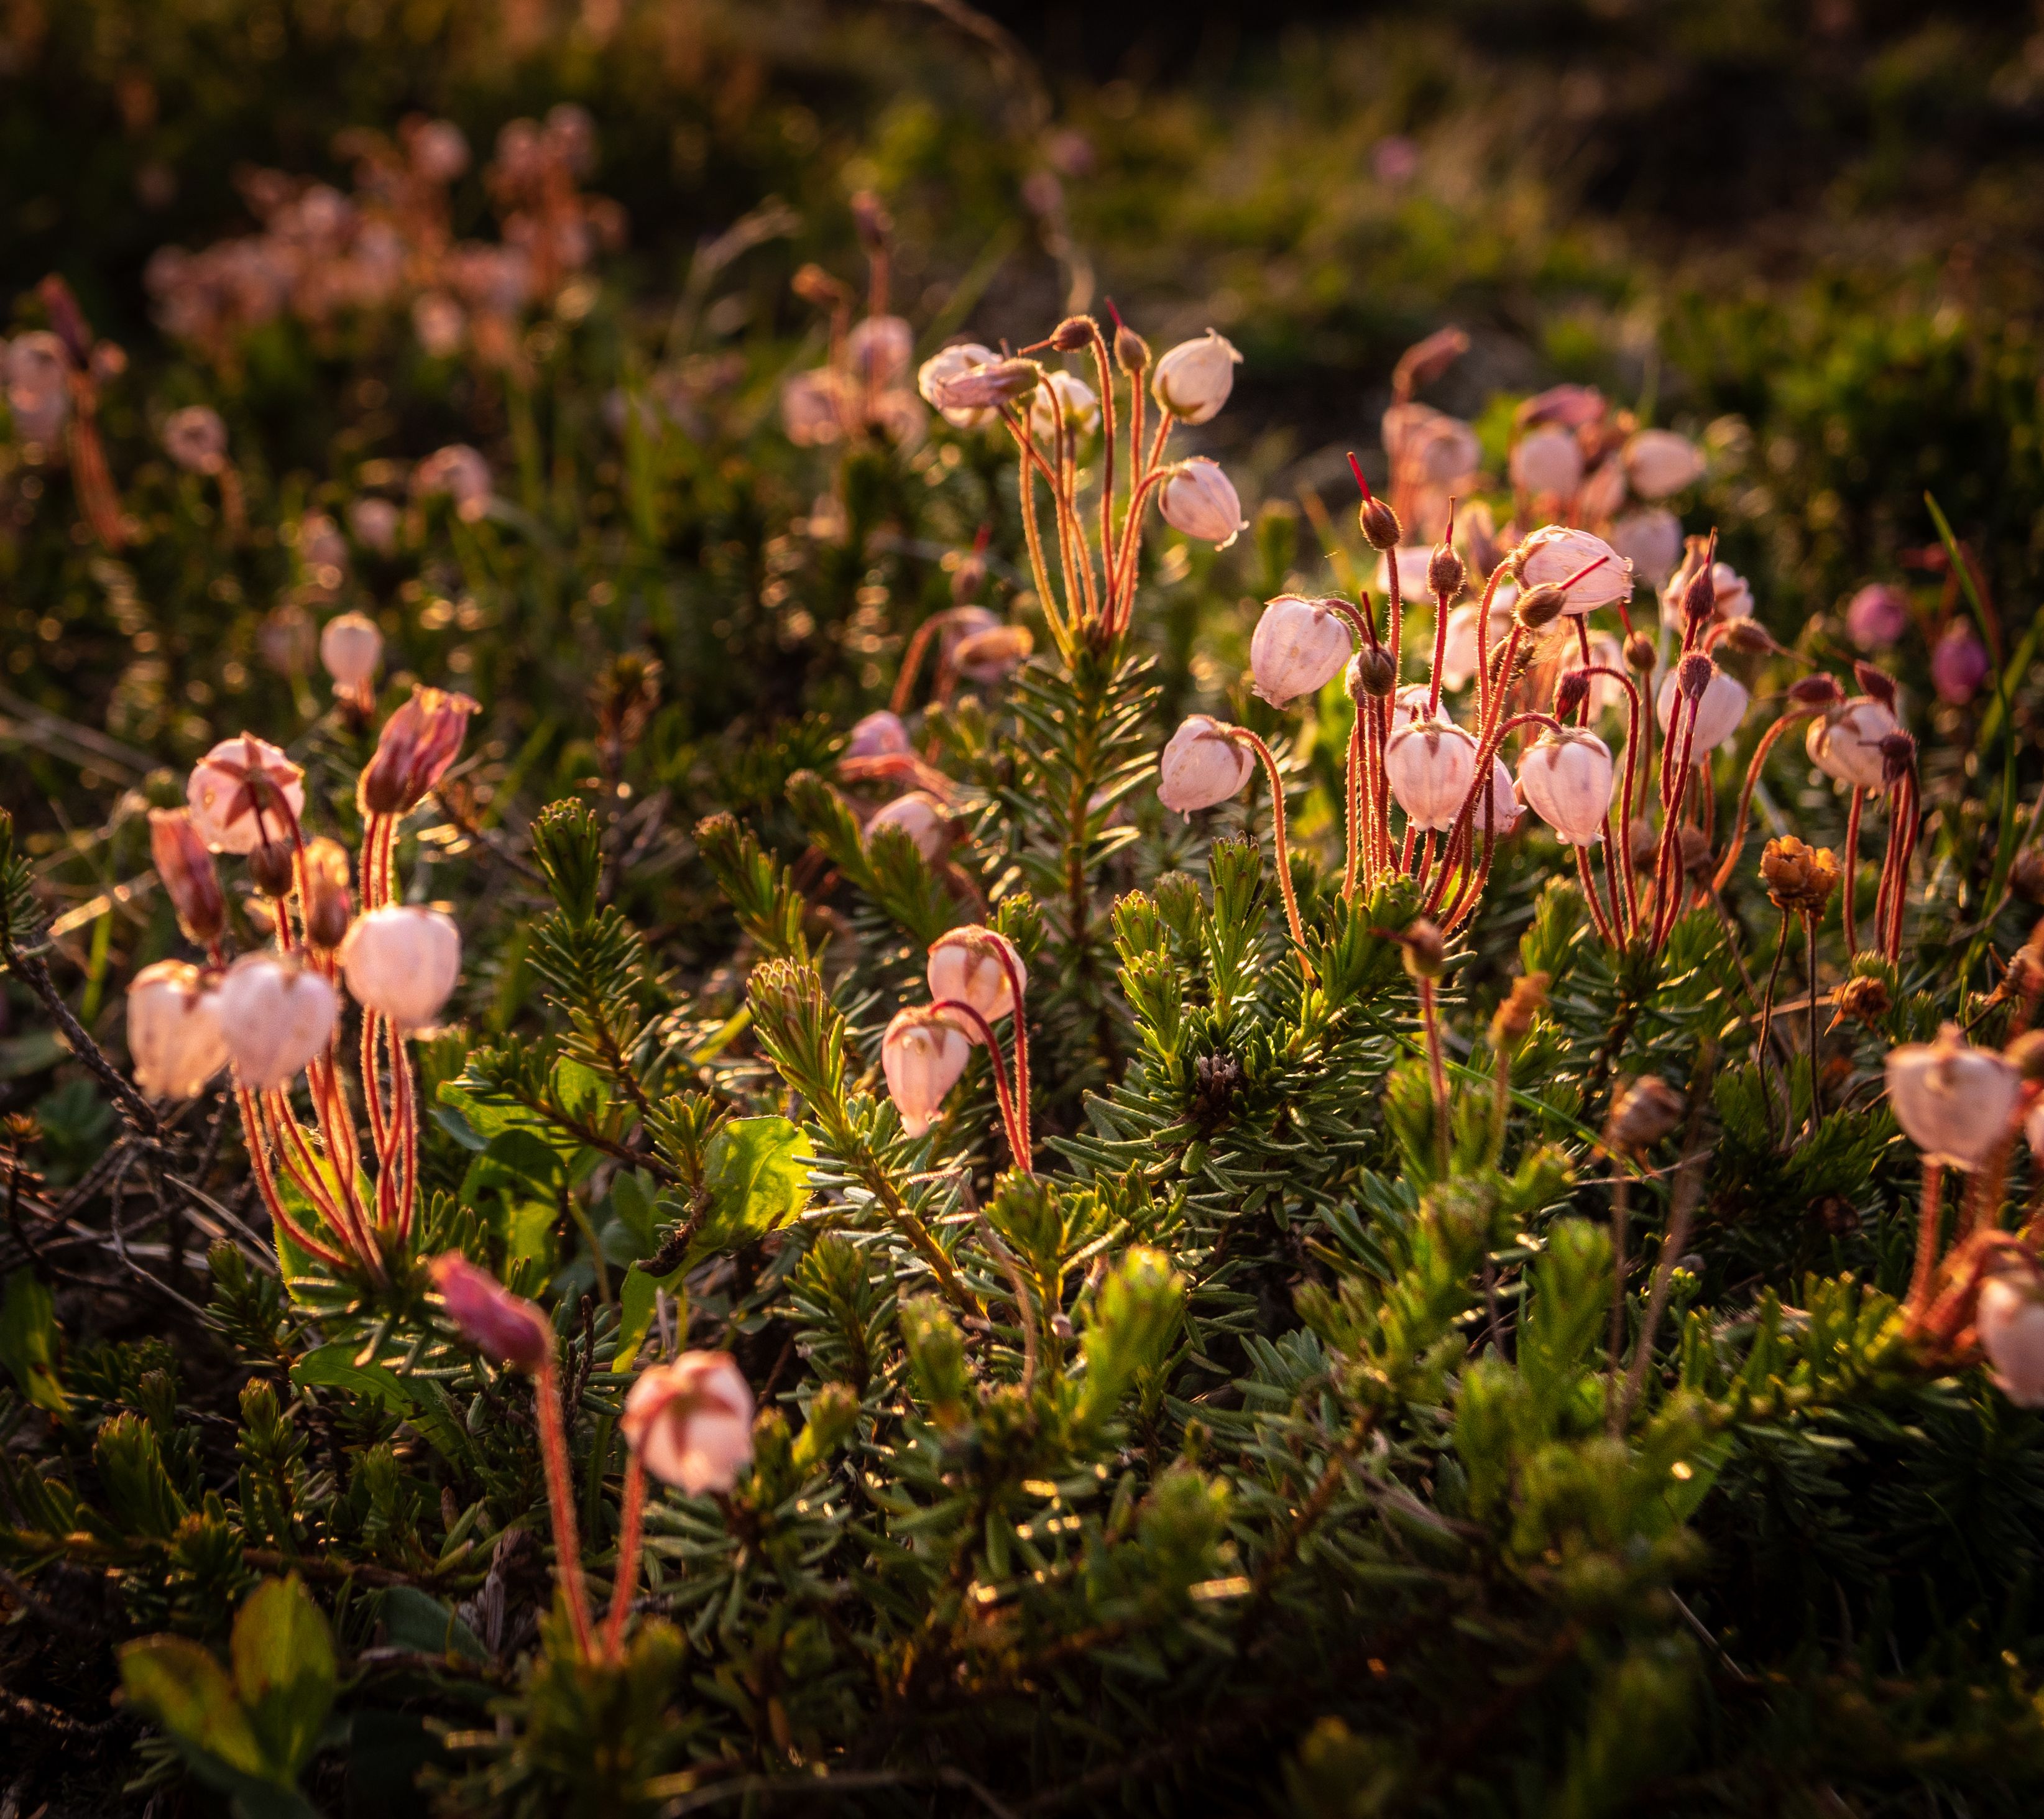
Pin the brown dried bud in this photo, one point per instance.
(1693, 673)
(1370, 672)
(1425, 949)
(1073, 333)
(1639, 652)
(1445, 571)
(2025, 876)
(1798, 878)
(1643, 1113)
(1875, 682)
(1540, 606)
(1743, 635)
(1698, 860)
(185, 865)
(1863, 999)
(1898, 759)
(1700, 598)
(417, 745)
(271, 868)
(2026, 1055)
(969, 577)
(1380, 524)
(1816, 693)
(1512, 1021)
(1570, 693)
(1643, 843)
(327, 908)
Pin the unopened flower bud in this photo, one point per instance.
(976, 966)
(1513, 1021)
(878, 735)
(690, 1422)
(172, 1038)
(986, 657)
(944, 366)
(1898, 759)
(1818, 691)
(1876, 617)
(1875, 681)
(1424, 948)
(196, 439)
(987, 387)
(1954, 1102)
(1192, 381)
(1645, 1111)
(273, 868)
(351, 647)
(500, 1325)
(1700, 595)
(1073, 333)
(326, 905)
(275, 1014)
(1539, 606)
(870, 218)
(922, 818)
(1201, 765)
(189, 878)
(1570, 692)
(1131, 352)
(1445, 572)
(922, 1055)
(1639, 653)
(969, 577)
(1380, 525)
(418, 744)
(1750, 637)
(814, 285)
(1370, 671)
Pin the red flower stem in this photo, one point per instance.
(560, 1500)
(1354, 830)
(1848, 910)
(1243, 736)
(1483, 645)
(1754, 766)
(1597, 903)
(630, 1523)
(1929, 1219)
(1107, 546)
(1017, 1144)
(259, 1156)
(1018, 990)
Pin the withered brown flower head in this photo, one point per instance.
(1863, 999)
(1798, 878)
(1642, 1114)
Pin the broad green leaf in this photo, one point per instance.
(757, 1174)
(581, 1091)
(636, 1300)
(632, 1199)
(183, 1689)
(283, 1672)
(417, 1620)
(28, 1342)
(333, 1367)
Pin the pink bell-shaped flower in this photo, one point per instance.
(1719, 710)
(1411, 560)
(1952, 1102)
(1559, 554)
(922, 1054)
(274, 1014)
(375, 522)
(1959, 664)
(1299, 647)
(1201, 765)
(351, 647)
(1877, 616)
(949, 363)
(196, 439)
(403, 962)
(2009, 1322)
(1192, 381)
(1459, 653)
(1430, 765)
(1565, 778)
(879, 349)
(1198, 498)
(878, 735)
(500, 1325)
(244, 792)
(1659, 462)
(690, 1421)
(1650, 539)
(1410, 704)
(1846, 743)
(973, 965)
(922, 818)
(1504, 807)
(184, 863)
(417, 745)
(175, 1043)
(1547, 463)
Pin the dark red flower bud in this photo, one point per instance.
(1877, 683)
(185, 865)
(1815, 692)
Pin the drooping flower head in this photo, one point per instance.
(1299, 646)
(417, 745)
(275, 1014)
(243, 792)
(403, 961)
(172, 1038)
(184, 863)
(1194, 380)
(1201, 765)
(690, 1421)
(922, 1055)
(1953, 1101)
(500, 1325)
(978, 966)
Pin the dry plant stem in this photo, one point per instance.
(1621, 1201)
(1243, 736)
(1437, 1074)
(1816, 1084)
(1688, 1190)
(1754, 767)
(1766, 1022)
(1984, 1187)
(560, 1500)
(1848, 909)
(1930, 1218)
(630, 1524)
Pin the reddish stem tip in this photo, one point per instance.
(1113, 312)
(1355, 467)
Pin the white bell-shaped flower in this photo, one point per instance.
(234, 792)
(275, 1015)
(1410, 560)
(1410, 703)
(172, 1038)
(1505, 808)
(1066, 394)
(1430, 764)
(351, 647)
(1201, 765)
(1650, 539)
(1845, 743)
(1565, 778)
(973, 965)
(1198, 498)
(403, 962)
(1299, 647)
(1459, 655)
(1952, 1102)
(1658, 462)
(1559, 555)
(922, 1055)
(690, 1421)
(922, 818)
(1192, 381)
(1719, 710)
(949, 363)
